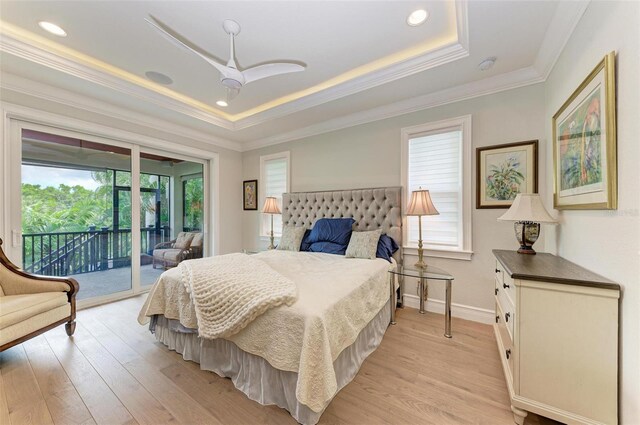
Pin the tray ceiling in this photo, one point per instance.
(359, 55)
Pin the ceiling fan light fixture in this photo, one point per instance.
(222, 103)
(52, 28)
(417, 17)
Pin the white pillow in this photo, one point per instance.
(291, 238)
(363, 244)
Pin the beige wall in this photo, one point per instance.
(230, 167)
(369, 155)
(607, 242)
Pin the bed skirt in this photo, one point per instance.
(254, 376)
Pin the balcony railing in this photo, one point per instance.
(70, 253)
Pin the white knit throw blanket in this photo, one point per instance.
(229, 291)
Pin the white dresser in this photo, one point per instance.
(557, 333)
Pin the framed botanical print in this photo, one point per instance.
(503, 171)
(584, 143)
(250, 195)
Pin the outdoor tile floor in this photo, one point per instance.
(111, 281)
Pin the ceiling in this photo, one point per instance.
(360, 57)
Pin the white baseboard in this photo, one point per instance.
(462, 311)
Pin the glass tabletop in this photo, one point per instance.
(429, 272)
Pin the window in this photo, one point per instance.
(274, 181)
(437, 157)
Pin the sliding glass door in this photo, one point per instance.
(76, 220)
(171, 202)
(101, 211)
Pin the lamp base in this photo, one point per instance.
(527, 233)
(420, 264)
(271, 245)
(526, 250)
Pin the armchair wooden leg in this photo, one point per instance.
(70, 327)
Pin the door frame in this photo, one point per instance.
(17, 117)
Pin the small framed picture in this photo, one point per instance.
(584, 143)
(503, 171)
(250, 195)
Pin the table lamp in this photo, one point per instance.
(271, 207)
(419, 205)
(528, 212)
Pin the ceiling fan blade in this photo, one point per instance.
(173, 37)
(269, 70)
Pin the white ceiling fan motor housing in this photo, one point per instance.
(231, 83)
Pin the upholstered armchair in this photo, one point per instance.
(31, 305)
(170, 254)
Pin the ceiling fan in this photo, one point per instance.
(230, 76)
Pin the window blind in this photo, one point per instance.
(275, 184)
(435, 164)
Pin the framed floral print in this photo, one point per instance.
(584, 143)
(503, 171)
(250, 195)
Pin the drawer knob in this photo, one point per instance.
(506, 317)
(497, 318)
(496, 291)
(505, 286)
(508, 353)
(497, 270)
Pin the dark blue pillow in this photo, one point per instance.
(336, 230)
(328, 248)
(305, 244)
(386, 247)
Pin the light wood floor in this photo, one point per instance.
(114, 372)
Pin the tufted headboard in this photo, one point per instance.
(377, 208)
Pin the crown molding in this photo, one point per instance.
(511, 80)
(53, 94)
(564, 22)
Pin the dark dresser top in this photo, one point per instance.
(550, 268)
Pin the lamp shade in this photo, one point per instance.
(271, 206)
(421, 204)
(528, 207)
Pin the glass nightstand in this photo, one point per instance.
(422, 275)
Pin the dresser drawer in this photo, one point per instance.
(504, 282)
(506, 343)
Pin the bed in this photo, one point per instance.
(299, 356)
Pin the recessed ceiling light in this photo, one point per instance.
(487, 63)
(158, 77)
(417, 17)
(52, 28)
(222, 103)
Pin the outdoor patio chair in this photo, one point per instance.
(170, 254)
(195, 250)
(31, 304)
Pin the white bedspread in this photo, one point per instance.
(337, 297)
(230, 291)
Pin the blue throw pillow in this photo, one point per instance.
(328, 248)
(305, 245)
(386, 247)
(335, 230)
